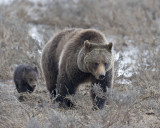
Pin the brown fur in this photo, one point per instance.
(68, 60)
(50, 57)
(25, 78)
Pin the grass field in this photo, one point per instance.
(134, 28)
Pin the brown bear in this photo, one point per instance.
(25, 78)
(74, 56)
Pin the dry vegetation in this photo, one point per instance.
(133, 26)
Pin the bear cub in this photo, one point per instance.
(73, 57)
(25, 78)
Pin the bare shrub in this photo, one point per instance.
(34, 123)
(131, 25)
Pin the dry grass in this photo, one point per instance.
(134, 28)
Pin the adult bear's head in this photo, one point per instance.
(96, 59)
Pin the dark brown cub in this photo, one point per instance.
(25, 78)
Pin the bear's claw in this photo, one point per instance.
(64, 102)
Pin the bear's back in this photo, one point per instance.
(67, 44)
(73, 39)
(19, 72)
(65, 38)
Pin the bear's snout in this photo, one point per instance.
(33, 86)
(100, 72)
(101, 76)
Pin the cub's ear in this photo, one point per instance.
(109, 46)
(25, 69)
(35, 68)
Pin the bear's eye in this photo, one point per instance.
(105, 64)
(96, 64)
(30, 79)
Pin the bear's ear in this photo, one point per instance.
(35, 68)
(109, 46)
(87, 45)
(25, 69)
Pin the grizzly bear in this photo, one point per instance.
(25, 78)
(74, 56)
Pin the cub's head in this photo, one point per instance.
(30, 75)
(98, 58)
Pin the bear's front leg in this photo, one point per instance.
(99, 94)
(65, 87)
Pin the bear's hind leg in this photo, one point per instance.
(17, 87)
(51, 83)
(50, 72)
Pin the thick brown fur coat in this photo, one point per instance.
(72, 57)
(25, 78)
